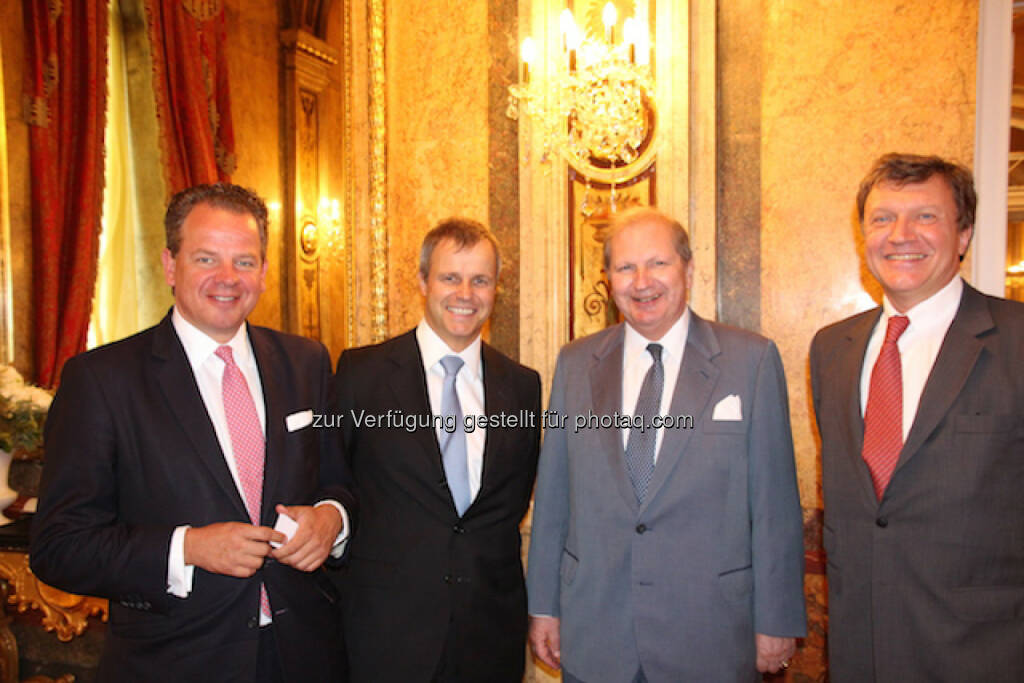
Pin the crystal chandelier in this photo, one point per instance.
(595, 107)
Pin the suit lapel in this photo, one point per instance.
(697, 378)
(850, 364)
(957, 356)
(270, 369)
(497, 400)
(177, 381)
(408, 385)
(606, 390)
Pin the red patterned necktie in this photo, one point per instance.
(883, 417)
(247, 441)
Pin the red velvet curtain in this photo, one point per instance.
(65, 108)
(190, 78)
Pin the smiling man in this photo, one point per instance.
(171, 455)
(666, 553)
(434, 590)
(920, 407)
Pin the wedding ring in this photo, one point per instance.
(784, 664)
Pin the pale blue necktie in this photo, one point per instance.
(640, 445)
(453, 444)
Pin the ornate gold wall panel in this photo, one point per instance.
(308, 61)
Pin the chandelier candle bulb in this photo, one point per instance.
(528, 52)
(609, 16)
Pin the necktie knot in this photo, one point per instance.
(655, 351)
(897, 326)
(225, 354)
(451, 365)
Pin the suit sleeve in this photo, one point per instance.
(551, 509)
(78, 542)
(776, 521)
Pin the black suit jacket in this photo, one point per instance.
(928, 584)
(419, 574)
(131, 454)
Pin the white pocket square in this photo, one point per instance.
(728, 409)
(298, 420)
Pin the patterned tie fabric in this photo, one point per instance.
(640, 444)
(883, 417)
(247, 442)
(453, 444)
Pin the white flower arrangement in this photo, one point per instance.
(23, 409)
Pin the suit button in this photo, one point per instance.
(459, 529)
(447, 578)
(881, 522)
(641, 528)
(253, 622)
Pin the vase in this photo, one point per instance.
(7, 494)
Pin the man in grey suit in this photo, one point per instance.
(666, 542)
(920, 406)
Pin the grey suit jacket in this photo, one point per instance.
(928, 584)
(680, 584)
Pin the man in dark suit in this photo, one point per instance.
(434, 588)
(920, 407)
(667, 542)
(169, 456)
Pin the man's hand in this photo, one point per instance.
(230, 548)
(773, 653)
(313, 540)
(545, 640)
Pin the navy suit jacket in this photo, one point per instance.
(131, 454)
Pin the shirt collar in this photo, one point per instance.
(199, 346)
(939, 308)
(671, 343)
(433, 349)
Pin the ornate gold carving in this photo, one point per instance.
(378, 176)
(54, 8)
(65, 613)
(202, 10)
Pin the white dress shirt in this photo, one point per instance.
(919, 345)
(637, 360)
(469, 386)
(208, 370)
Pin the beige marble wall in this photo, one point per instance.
(437, 97)
(842, 84)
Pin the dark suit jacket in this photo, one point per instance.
(928, 584)
(680, 584)
(419, 574)
(131, 454)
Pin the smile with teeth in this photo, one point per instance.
(905, 257)
(460, 310)
(646, 299)
(223, 298)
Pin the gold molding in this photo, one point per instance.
(378, 175)
(65, 613)
(350, 177)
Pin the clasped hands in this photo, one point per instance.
(238, 549)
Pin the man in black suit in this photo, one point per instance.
(170, 457)
(434, 589)
(920, 406)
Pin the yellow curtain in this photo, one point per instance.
(115, 311)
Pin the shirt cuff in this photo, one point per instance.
(179, 574)
(341, 540)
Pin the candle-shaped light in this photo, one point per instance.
(528, 52)
(609, 16)
(566, 24)
(629, 34)
(573, 39)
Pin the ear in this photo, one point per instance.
(689, 275)
(965, 240)
(263, 277)
(423, 283)
(168, 262)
